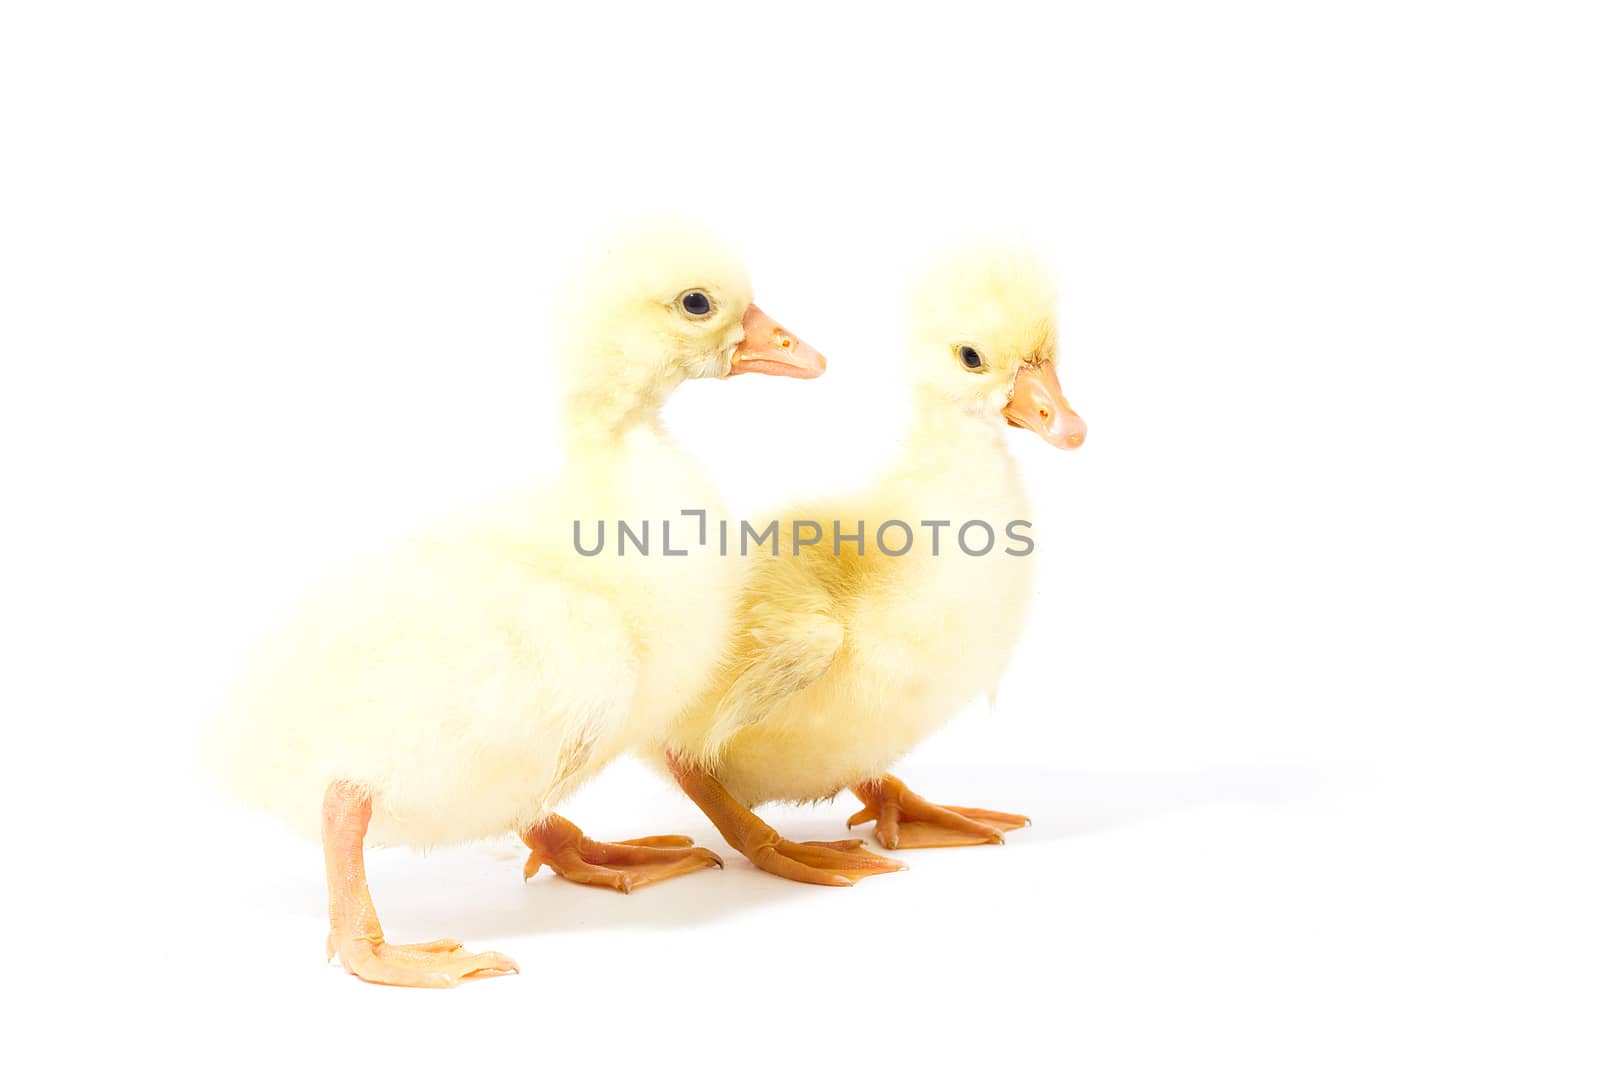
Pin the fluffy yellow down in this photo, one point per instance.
(841, 665)
(475, 675)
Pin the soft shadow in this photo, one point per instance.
(1071, 804)
(476, 893)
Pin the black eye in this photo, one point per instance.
(695, 302)
(971, 357)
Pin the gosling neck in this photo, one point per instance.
(953, 458)
(941, 432)
(602, 411)
(598, 425)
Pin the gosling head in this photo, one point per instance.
(665, 304)
(984, 333)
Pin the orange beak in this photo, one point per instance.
(768, 348)
(1037, 405)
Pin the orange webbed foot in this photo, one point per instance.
(354, 934)
(621, 865)
(906, 820)
(429, 964)
(835, 863)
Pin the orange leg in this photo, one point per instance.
(623, 865)
(905, 820)
(354, 934)
(838, 863)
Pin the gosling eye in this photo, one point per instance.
(695, 303)
(971, 358)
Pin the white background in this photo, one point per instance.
(1309, 739)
